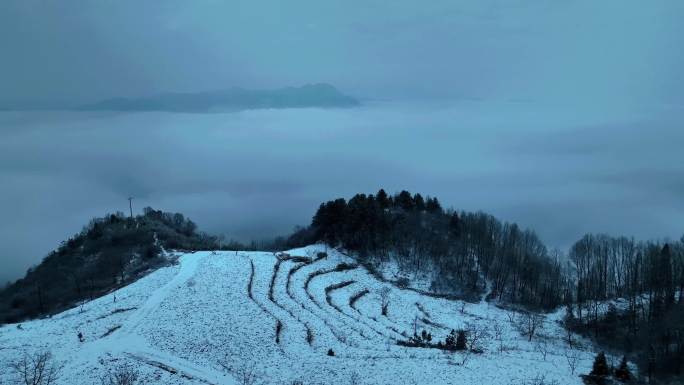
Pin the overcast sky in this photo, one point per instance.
(611, 50)
(563, 115)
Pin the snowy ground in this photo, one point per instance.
(200, 322)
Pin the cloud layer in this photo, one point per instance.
(255, 174)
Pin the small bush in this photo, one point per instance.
(461, 340)
(123, 375)
(331, 353)
(456, 340)
(278, 329)
(309, 336)
(345, 266)
(356, 297)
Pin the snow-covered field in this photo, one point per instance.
(203, 322)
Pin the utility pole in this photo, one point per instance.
(130, 205)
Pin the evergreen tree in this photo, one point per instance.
(450, 341)
(454, 225)
(600, 368)
(425, 336)
(622, 373)
(404, 200)
(418, 202)
(382, 199)
(329, 220)
(432, 205)
(461, 340)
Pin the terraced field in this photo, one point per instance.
(285, 317)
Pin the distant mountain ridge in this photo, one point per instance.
(310, 95)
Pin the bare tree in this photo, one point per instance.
(572, 356)
(498, 330)
(122, 375)
(539, 379)
(244, 374)
(529, 323)
(568, 337)
(477, 333)
(385, 299)
(542, 346)
(36, 369)
(511, 317)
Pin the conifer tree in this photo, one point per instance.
(382, 199)
(600, 368)
(404, 200)
(418, 202)
(432, 205)
(450, 341)
(455, 225)
(461, 340)
(622, 373)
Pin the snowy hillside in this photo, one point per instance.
(215, 315)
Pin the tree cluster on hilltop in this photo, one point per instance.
(109, 252)
(466, 250)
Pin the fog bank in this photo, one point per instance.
(559, 169)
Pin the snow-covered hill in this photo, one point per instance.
(214, 315)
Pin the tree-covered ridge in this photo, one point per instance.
(466, 250)
(649, 278)
(109, 252)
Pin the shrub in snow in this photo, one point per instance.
(427, 337)
(450, 341)
(456, 340)
(384, 299)
(461, 341)
(278, 329)
(403, 282)
(343, 266)
(331, 353)
(123, 375)
(539, 379)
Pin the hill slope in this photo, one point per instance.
(108, 253)
(214, 315)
